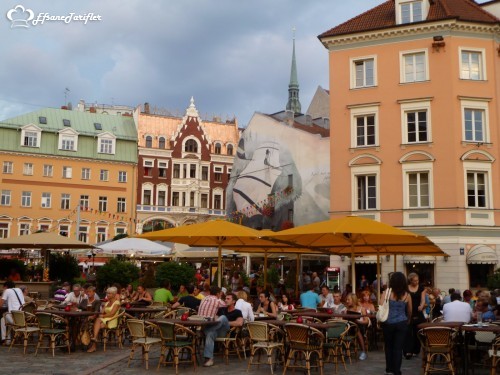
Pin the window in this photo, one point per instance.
(84, 202)
(162, 198)
(120, 230)
(64, 230)
(101, 234)
(192, 171)
(83, 234)
(230, 150)
(67, 172)
(148, 168)
(85, 173)
(121, 205)
(366, 192)
(416, 125)
(5, 199)
(46, 200)
(175, 198)
(48, 170)
(217, 202)
(476, 189)
(149, 141)
(217, 148)
(162, 169)
(146, 197)
(42, 119)
(66, 122)
(28, 169)
(204, 201)
(191, 146)
(184, 170)
(471, 65)
(65, 201)
(68, 143)
(24, 228)
(122, 176)
(204, 173)
(363, 73)
(411, 12)
(103, 204)
(30, 139)
(365, 130)
(97, 126)
(161, 143)
(414, 67)
(229, 173)
(177, 170)
(418, 189)
(474, 125)
(4, 230)
(104, 175)
(218, 174)
(106, 146)
(8, 167)
(26, 199)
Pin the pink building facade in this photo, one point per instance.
(415, 131)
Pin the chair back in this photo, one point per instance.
(437, 337)
(485, 337)
(337, 329)
(45, 320)
(41, 302)
(136, 328)
(19, 318)
(29, 307)
(196, 317)
(258, 331)
(167, 331)
(297, 333)
(180, 311)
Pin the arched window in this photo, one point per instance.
(230, 150)
(161, 143)
(191, 146)
(149, 141)
(217, 148)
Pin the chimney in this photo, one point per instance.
(146, 107)
(309, 120)
(92, 109)
(289, 117)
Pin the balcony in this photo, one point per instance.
(180, 210)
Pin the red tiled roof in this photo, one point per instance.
(313, 129)
(384, 16)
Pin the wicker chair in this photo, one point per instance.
(22, 328)
(117, 331)
(438, 343)
(304, 341)
(262, 336)
(478, 346)
(173, 347)
(334, 342)
(232, 344)
(139, 338)
(350, 341)
(494, 353)
(47, 323)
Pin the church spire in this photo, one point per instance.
(293, 87)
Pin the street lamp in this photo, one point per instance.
(90, 255)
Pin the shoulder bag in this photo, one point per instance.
(383, 310)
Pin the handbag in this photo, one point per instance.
(85, 337)
(383, 310)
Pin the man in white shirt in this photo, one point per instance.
(76, 296)
(338, 307)
(244, 306)
(456, 310)
(13, 297)
(326, 297)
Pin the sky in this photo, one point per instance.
(232, 56)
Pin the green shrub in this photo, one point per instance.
(63, 267)
(116, 271)
(177, 273)
(494, 280)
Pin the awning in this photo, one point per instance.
(429, 259)
(368, 259)
(481, 254)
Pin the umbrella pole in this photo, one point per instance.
(353, 269)
(378, 277)
(265, 270)
(219, 266)
(394, 262)
(297, 277)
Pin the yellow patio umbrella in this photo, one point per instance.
(216, 233)
(353, 235)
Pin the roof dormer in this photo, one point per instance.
(409, 11)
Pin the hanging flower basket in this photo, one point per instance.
(287, 224)
(268, 210)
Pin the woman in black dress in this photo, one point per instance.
(417, 294)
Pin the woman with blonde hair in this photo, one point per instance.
(109, 314)
(244, 306)
(353, 307)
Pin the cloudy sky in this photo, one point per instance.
(233, 56)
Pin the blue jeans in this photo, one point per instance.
(394, 338)
(212, 332)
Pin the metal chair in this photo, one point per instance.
(139, 338)
(304, 341)
(263, 338)
(334, 342)
(437, 343)
(176, 339)
(22, 328)
(48, 328)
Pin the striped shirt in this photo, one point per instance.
(209, 306)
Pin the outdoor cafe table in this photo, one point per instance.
(320, 326)
(186, 323)
(140, 311)
(326, 316)
(76, 318)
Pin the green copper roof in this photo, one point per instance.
(87, 125)
(293, 87)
